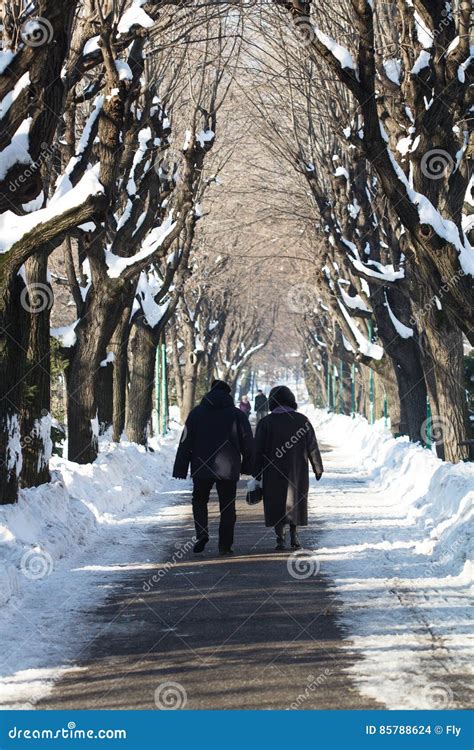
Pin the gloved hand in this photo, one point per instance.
(318, 475)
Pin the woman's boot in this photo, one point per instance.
(295, 542)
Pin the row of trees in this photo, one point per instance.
(376, 132)
(109, 115)
(109, 111)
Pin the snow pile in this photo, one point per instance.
(395, 544)
(52, 521)
(61, 547)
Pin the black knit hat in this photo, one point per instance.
(281, 396)
(220, 385)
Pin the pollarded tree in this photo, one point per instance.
(412, 107)
(31, 89)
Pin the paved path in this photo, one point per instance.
(238, 632)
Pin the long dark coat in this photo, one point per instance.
(284, 444)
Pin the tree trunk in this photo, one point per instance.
(245, 383)
(176, 365)
(119, 346)
(189, 384)
(13, 325)
(93, 335)
(105, 396)
(405, 356)
(449, 422)
(143, 343)
(36, 402)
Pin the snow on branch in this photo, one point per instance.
(14, 228)
(117, 264)
(367, 348)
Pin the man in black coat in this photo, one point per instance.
(261, 405)
(217, 441)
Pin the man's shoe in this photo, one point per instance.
(280, 545)
(223, 551)
(200, 544)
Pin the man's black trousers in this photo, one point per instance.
(226, 491)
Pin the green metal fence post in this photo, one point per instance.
(328, 385)
(341, 387)
(157, 387)
(371, 384)
(429, 437)
(353, 390)
(164, 389)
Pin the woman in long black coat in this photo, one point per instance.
(285, 443)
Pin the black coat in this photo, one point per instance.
(261, 402)
(284, 445)
(217, 440)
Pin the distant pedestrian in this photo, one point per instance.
(285, 442)
(261, 405)
(217, 441)
(245, 405)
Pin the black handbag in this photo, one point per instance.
(254, 496)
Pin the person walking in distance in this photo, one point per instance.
(285, 444)
(261, 405)
(217, 442)
(245, 405)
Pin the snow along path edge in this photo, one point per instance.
(59, 546)
(395, 543)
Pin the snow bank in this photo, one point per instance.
(52, 521)
(395, 546)
(435, 496)
(61, 547)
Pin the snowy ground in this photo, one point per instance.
(393, 546)
(53, 544)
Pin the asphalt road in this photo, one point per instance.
(257, 630)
